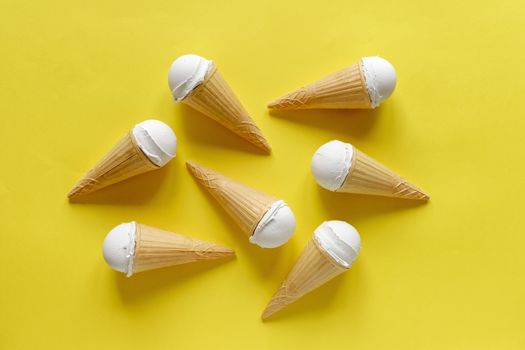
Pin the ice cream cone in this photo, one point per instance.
(244, 204)
(156, 248)
(313, 269)
(123, 161)
(340, 167)
(343, 89)
(330, 252)
(368, 176)
(214, 98)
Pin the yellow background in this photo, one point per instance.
(75, 76)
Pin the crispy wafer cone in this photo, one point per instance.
(123, 161)
(215, 99)
(343, 89)
(156, 248)
(313, 269)
(368, 176)
(244, 204)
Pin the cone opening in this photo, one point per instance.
(362, 74)
(212, 69)
(134, 236)
(351, 168)
(142, 154)
(336, 262)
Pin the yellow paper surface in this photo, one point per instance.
(76, 75)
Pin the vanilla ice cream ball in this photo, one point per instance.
(157, 140)
(380, 79)
(186, 73)
(331, 163)
(119, 247)
(276, 226)
(340, 240)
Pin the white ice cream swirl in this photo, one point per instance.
(331, 163)
(119, 247)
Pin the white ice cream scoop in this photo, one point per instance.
(157, 140)
(186, 73)
(276, 226)
(380, 79)
(331, 163)
(340, 240)
(118, 247)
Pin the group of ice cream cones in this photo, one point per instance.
(266, 220)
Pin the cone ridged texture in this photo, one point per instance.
(123, 161)
(368, 176)
(313, 269)
(245, 205)
(343, 89)
(156, 248)
(215, 99)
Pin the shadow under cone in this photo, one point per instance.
(313, 269)
(156, 248)
(245, 205)
(368, 176)
(344, 89)
(215, 99)
(123, 161)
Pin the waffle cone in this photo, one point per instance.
(343, 89)
(368, 176)
(215, 98)
(313, 269)
(156, 248)
(244, 204)
(123, 161)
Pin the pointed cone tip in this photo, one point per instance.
(276, 304)
(279, 104)
(204, 176)
(273, 104)
(265, 146)
(416, 193)
(228, 251)
(270, 310)
(198, 171)
(72, 194)
(77, 191)
(193, 167)
(266, 313)
(190, 164)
